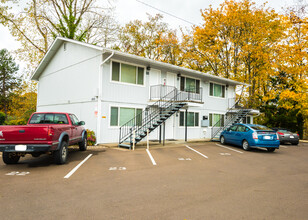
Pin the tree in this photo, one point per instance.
(23, 104)
(40, 21)
(151, 39)
(237, 41)
(9, 79)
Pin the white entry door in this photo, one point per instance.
(155, 76)
(154, 84)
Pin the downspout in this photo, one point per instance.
(99, 97)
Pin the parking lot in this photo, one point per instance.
(179, 181)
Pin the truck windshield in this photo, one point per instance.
(42, 118)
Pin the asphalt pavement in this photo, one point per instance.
(203, 180)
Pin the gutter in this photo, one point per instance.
(99, 97)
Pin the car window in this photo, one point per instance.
(233, 128)
(260, 127)
(42, 118)
(241, 128)
(74, 120)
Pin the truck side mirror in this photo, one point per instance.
(81, 123)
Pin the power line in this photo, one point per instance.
(165, 12)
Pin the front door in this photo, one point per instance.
(154, 84)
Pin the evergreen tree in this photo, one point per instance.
(8, 79)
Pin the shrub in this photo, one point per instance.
(2, 118)
(91, 138)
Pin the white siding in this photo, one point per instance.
(70, 84)
(70, 77)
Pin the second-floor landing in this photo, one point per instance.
(166, 93)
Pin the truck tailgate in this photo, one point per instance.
(23, 134)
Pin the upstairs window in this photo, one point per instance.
(217, 90)
(190, 85)
(127, 73)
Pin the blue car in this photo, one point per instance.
(251, 136)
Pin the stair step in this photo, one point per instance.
(125, 146)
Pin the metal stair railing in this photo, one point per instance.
(216, 129)
(152, 116)
(228, 121)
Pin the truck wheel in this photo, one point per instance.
(10, 158)
(61, 154)
(83, 144)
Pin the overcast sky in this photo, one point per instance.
(127, 10)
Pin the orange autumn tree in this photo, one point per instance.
(23, 104)
(151, 39)
(289, 87)
(237, 41)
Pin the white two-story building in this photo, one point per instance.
(118, 94)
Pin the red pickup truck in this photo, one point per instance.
(46, 132)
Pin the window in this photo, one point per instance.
(217, 90)
(242, 128)
(217, 120)
(247, 120)
(74, 120)
(190, 85)
(192, 119)
(233, 128)
(121, 115)
(127, 73)
(48, 119)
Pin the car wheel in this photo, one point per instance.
(10, 158)
(245, 145)
(222, 140)
(61, 154)
(271, 149)
(83, 144)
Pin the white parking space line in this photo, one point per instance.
(230, 148)
(197, 152)
(77, 167)
(150, 155)
(283, 146)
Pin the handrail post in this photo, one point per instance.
(148, 139)
(120, 135)
(130, 137)
(134, 139)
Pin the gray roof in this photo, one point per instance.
(129, 58)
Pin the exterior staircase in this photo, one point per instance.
(153, 116)
(232, 117)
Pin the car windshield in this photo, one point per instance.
(260, 127)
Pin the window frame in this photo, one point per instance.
(120, 72)
(223, 90)
(119, 114)
(211, 119)
(194, 126)
(196, 79)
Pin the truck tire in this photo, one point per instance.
(83, 144)
(10, 158)
(61, 154)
